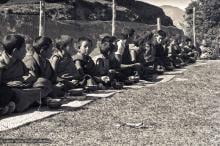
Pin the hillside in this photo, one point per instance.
(176, 14)
(90, 10)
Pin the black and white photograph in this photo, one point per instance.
(110, 72)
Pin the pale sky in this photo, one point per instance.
(177, 3)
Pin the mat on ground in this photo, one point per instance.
(100, 94)
(175, 72)
(18, 120)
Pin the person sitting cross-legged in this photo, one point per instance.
(63, 64)
(84, 64)
(16, 76)
(38, 63)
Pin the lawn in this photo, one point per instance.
(173, 113)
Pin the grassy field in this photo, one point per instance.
(173, 113)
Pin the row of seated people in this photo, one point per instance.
(37, 74)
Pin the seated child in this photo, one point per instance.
(176, 53)
(84, 63)
(190, 53)
(106, 63)
(146, 56)
(160, 52)
(127, 57)
(14, 74)
(168, 52)
(63, 64)
(39, 65)
(206, 51)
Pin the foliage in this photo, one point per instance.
(207, 20)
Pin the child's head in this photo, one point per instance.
(107, 45)
(84, 45)
(127, 34)
(160, 36)
(188, 41)
(145, 38)
(14, 45)
(43, 46)
(64, 42)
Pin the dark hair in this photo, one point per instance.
(161, 33)
(146, 37)
(105, 48)
(63, 41)
(82, 39)
(12, 41)
(126, 33)
(188, 40)
(41, 43)
(107, 44)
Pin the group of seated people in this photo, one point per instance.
(43, 71)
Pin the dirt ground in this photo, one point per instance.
(173, 113)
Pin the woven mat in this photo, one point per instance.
(175, 72)
(18, 120)
(100, 95)
(181, 79)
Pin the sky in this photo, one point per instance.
(177, 3)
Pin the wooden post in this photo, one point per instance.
(194, 26)
(158, 24)
(42, 19)
(113, 17)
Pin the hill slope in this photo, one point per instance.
(90, 10)
(176, 14)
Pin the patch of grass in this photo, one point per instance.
(173, 113)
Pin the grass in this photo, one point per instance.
(173, 113)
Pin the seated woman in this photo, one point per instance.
(62, 63)
(15, 75)
(39, 65)
(84, 64)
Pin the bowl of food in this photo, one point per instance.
(54, 103)
(128, 82)
(76, 92)
(91, 88)
(118, 85)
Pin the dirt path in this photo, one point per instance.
(177, 112)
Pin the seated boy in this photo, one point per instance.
(160, 52)
(15, 75)
(84, 63)
(146, 56)
(190, 53)
(176, 53)
(41, 68)
(106, 63)
(126, 54)
(206, 51)
(62, 62)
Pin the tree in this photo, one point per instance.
(207, 19)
